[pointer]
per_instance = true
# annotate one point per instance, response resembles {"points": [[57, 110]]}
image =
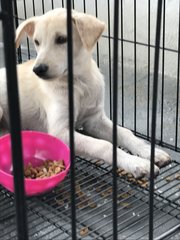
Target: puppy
{"points": [[43, 90]]}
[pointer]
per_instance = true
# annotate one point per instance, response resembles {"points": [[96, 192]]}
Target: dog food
{"points": [[169, 179], [125, 205], [172, 178], [84, 231], [92, 204], [143, 182], [47, 169], [177, 176]]}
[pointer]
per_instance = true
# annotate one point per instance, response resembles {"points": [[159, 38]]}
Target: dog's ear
{"points": [[89, 28], [26, 27]]}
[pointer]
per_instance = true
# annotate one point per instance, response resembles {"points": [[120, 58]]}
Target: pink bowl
{"points": [[37, 147]]}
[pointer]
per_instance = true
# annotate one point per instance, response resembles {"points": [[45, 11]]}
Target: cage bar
{"points": [[153, 127], [19, 54], [135, 69], [177, 93], [115, 111], [109, 55], [149, 59], [14, 114], [122, 62], [131, 217], [71, 116], [163, 61]]}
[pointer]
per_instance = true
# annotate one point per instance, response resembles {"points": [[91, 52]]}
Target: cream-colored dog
{"points": [[44, 93]]}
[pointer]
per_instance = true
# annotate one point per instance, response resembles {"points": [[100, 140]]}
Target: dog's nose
{"points": [[40, 70]]}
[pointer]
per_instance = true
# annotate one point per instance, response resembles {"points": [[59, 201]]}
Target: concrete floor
{"points": [[170, 64]]}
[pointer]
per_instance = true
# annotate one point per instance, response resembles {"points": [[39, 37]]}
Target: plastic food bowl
{"points": [[37, 147]]}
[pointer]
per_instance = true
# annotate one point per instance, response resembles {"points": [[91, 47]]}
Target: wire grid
{"points": [[49, 215]]}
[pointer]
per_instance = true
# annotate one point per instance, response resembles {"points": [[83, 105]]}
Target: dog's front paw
{"points": [[161, 157], [141, 168]]}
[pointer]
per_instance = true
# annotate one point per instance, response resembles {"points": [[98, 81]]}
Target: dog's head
{"points": [[49, 34]]}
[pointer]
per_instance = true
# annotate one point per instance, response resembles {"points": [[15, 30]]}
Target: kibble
{"points": [[139, 182], [143, 182], [123, 173], [60, 202], [144, 185], [84, 231], [80, 205], [177, 176], [125, 205], [123, 195], [99, 163], [129, 175], [169, 179], [133, 180], [92, 204], [47, 169]]}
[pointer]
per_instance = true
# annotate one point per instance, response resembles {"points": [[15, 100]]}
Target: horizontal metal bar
{"points": [[126, 40], [134, 222], [158, 142], [142, 44], [146, 225], [167, 233]]}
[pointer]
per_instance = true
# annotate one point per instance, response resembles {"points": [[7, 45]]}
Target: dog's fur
{"points": [[44, 99]]}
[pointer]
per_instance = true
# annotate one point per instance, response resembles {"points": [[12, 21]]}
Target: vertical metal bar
{"points": [[25, 15], [122, 62], [97, 48], [109, 48], [14, 114], [177, 93], [115, 105], [73, 6], [154, 109], [71, 116], [149, 67], [34, 11], [135, 67], [43, 9], [19, 56], [162, 86], [52, 4], [84, 4], [62, 3]]}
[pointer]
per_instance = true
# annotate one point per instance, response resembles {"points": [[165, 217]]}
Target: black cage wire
{"points": [[94, 202]]}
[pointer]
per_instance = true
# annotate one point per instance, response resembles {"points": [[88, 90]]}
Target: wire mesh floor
{"points": [[49, 215]]}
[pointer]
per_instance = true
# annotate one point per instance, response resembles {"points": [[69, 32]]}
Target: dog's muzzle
{"points": [[41, 70]]}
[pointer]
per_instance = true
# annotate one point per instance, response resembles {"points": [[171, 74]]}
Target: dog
{"points": [[43, 90]]}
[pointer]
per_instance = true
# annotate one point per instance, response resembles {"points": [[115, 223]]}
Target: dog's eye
{"points": [[60, 40], [36, 42]]}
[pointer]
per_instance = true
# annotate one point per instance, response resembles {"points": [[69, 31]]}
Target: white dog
{"points": [[44, 93]]}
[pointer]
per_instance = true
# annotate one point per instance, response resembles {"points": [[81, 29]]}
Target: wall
{"points": [[171, 27], [167, 115]]}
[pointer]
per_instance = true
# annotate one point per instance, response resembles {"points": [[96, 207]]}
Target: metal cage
{"points": [[112, 207]]}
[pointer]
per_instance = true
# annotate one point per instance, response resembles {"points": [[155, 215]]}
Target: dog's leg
{"points": [[100, 126], [100, 149]]}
